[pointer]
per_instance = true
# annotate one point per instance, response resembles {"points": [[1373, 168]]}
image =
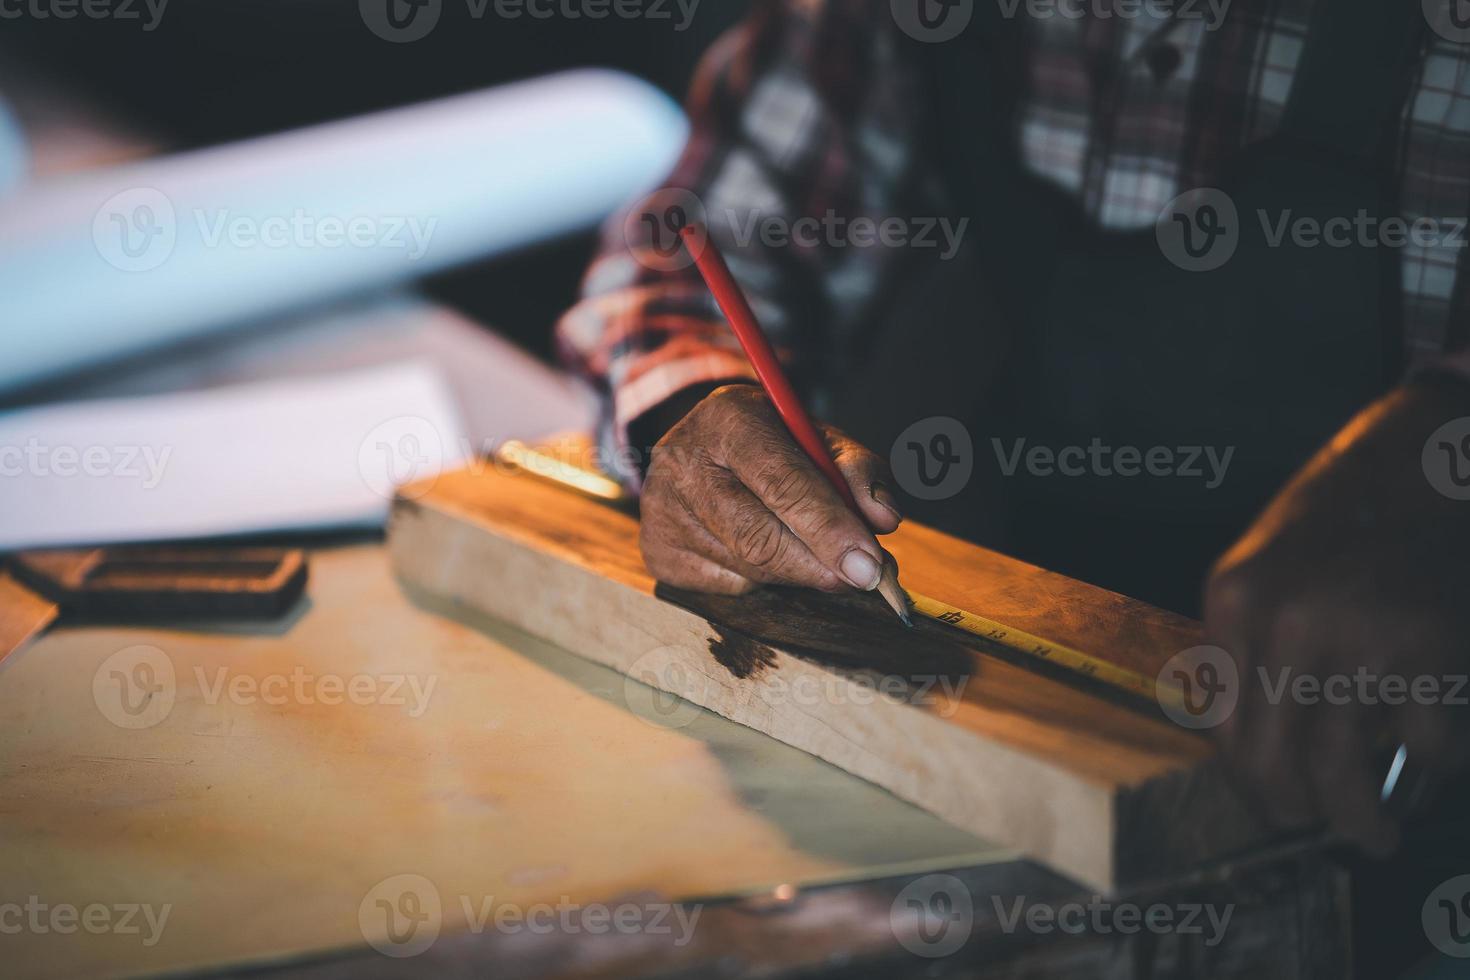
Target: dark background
{"points": [[220, 70]]}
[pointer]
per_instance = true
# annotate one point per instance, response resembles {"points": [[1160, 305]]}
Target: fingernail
{"points": [[885, 497], [859, 568]]}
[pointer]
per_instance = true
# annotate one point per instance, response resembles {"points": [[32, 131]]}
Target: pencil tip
{"points": [[894, 595]]}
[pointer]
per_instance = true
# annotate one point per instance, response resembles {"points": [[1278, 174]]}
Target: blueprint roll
{"points": [[115, 262]]}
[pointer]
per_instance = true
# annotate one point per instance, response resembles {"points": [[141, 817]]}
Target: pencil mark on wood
{"points": [[854, 631], [741, 655]]}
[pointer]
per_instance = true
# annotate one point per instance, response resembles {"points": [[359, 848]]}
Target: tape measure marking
{"points": [[1034, 646]]}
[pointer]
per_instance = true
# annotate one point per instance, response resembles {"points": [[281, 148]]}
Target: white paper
{"points": [[321, 452]]}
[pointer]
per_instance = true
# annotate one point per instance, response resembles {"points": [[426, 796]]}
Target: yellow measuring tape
{"points": [[1032, 645]]}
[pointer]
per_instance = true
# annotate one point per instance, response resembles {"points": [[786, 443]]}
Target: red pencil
{"points": [[778, 388]]}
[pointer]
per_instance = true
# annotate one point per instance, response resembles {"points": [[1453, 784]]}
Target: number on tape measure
{"points": [[1023, 642]]}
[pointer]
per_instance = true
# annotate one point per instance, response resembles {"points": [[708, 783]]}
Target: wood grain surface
{"points": [[1096, 789]]}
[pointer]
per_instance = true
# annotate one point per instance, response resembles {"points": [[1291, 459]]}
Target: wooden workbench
{"points": [[526, 775]]}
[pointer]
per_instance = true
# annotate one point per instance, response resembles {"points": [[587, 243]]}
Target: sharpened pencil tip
{"points": [[894, 595]]}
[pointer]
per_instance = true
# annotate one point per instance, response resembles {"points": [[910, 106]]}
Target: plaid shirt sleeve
{"points": [[798, 113]]}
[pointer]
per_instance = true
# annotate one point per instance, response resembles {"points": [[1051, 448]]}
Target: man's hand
{"points": [[731, 502], [1360, 569]]}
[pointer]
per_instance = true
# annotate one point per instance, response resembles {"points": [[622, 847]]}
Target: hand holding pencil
{"points": [[745, 490]]}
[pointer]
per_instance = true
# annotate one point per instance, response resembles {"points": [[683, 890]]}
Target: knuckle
{"points": [[783, 487], [731, 394], [858, 461], [823, 527], [731, 403], [756, 410], [698, 459], [759, 540]]}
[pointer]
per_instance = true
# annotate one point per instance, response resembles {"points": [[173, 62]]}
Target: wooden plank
{"points": [[23, 615], [1100, 791]]}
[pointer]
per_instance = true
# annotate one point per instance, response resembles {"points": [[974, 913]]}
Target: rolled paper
{"points": [[117, 261]]}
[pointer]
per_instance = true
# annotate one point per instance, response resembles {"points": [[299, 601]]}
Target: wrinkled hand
{"points": [[1358, 570], [731, 502]]}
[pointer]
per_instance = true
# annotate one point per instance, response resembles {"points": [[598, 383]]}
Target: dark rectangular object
{"points": [[175, 582]]}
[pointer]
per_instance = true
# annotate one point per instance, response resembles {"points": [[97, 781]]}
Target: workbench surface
{"points": [[267, 785]]}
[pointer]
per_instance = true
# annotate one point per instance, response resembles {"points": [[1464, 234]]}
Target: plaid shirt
{"points": [[806, 110]]}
